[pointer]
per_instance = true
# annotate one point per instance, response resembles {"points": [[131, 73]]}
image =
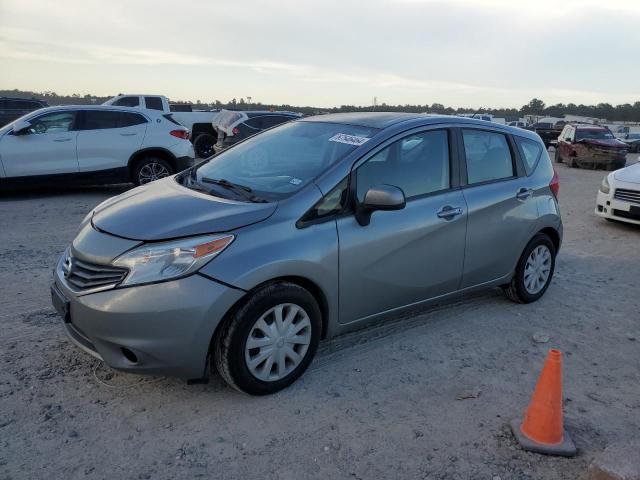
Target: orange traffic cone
{"points": [[542, 430]]}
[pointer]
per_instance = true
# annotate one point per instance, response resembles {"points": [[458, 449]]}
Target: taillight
{"points": [[235, 130], [184, 134], [554, 185]]}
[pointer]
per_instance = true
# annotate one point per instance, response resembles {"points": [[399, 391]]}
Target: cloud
{"points": [[455, 52]]}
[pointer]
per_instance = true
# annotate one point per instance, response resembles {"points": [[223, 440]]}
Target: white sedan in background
{"points": [[619, 195]]}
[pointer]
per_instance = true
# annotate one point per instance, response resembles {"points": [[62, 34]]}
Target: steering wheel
{"points": [[40, 128]]}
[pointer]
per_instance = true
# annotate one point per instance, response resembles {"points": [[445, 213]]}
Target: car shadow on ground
{"points": [[35, 193]]}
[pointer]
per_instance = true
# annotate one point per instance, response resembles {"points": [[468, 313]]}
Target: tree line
{"points": [[627, 112]]}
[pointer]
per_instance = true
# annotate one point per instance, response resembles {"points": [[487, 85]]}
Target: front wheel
{"points": [[270, 340], [534, 271]]}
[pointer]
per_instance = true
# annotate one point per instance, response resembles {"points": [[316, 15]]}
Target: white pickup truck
{"points": [[199, 122]]}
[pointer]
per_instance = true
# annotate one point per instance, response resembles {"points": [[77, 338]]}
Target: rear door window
{"points": [[127, 102], [487, 155], [153, 103], [100, 120]]}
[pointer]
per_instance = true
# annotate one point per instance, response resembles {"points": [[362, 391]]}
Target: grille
{"points": [[83, 275], [625, 195]]}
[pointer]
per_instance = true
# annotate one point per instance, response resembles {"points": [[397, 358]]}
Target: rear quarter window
{"points": [[530, 151], [128, 119]]}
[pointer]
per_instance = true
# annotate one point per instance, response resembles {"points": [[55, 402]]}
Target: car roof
{"points": [[98, 107], [383, 120], [582, 126], [379, 120], [253, 113]]}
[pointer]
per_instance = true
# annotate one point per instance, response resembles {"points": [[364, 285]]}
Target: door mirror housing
{"points": [[21, 127], [379, 197]]}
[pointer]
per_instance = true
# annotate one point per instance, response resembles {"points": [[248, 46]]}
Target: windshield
{"points": [[278, 162], [596, 134]]}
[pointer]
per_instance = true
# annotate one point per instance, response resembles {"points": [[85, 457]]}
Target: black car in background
{"points": [[12, 108], [233, 126]]}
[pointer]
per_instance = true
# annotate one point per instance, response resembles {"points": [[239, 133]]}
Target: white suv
{"points": [[93, 144]]}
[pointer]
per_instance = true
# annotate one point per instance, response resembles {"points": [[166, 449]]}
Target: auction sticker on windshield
{"points": [[348, 139]]}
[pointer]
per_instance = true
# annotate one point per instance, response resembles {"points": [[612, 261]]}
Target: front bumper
{"points": [[609, 207], [167, 326]]}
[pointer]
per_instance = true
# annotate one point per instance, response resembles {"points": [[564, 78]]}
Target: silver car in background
{"points": [[305, 231]]}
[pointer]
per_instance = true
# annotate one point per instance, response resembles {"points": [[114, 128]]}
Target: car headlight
{"points": [[154, 262], [604, 187]]}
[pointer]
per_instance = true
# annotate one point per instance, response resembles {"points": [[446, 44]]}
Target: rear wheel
{"points": [[150, 169], [534, 271], [270, 340], [203, 145]]}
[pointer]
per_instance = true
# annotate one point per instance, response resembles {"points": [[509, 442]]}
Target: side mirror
{"points": [[379, 197], [21, 127]]}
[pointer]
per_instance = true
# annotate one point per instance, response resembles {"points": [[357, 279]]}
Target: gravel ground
{"points": [[378, 403]]}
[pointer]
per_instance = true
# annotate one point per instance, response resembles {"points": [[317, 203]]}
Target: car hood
{"points": [[629, 174], [603, 142], [164, 209]]}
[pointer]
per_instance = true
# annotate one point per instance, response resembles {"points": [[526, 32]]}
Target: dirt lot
{"points": [[380, 403]]}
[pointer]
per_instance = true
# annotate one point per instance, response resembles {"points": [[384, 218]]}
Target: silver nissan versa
{"points": [[305, 231]]}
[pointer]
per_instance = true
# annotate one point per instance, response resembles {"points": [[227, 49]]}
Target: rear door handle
{"points": [[62, 140], [128, 134], [447, 212], [524, 193]]}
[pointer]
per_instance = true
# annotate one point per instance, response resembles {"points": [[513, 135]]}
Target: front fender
{"points": [[268, 251]]}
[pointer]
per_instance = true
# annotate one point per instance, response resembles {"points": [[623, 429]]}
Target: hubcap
{"points": [[537, 269], [278, 342], [152, 171]]}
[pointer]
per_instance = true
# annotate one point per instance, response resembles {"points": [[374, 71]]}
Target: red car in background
{"points": [[590, 146]]}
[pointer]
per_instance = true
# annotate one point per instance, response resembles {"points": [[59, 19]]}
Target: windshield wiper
{"points": [[226, 183], [242, 190]]}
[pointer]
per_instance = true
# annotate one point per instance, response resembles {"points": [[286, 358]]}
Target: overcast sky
{"points": [[327, 52]]}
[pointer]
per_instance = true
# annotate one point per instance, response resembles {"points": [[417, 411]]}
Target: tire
{"points": [[517, 290], [232, 356], [203, 145], [571, 162], [149, 169]]}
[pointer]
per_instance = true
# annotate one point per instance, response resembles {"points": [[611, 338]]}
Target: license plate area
{"points": [[60, 303]]}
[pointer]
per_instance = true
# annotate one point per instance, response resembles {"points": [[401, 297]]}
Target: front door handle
{"points": [[128, 134], [524, 193], [62, 140], [447, 212]]}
